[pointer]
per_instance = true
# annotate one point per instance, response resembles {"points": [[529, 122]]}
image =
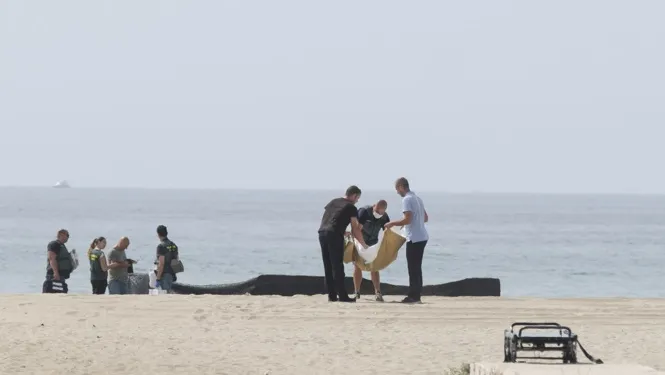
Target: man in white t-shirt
{"points": [[414, 219]]}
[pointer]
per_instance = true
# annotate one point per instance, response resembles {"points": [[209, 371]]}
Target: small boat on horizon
{"points": [[61, 184]]}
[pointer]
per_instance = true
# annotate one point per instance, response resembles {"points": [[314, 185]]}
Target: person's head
{"points": [[98, 243], [122, 244], [162, 232], [353, 194], [380, 208], [63, 236], [402, 186]]}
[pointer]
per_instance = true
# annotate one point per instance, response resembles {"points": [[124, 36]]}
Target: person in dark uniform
{"points": [[58, 264], [372, 219], [338, 214], [98, 266], [167, 251]]}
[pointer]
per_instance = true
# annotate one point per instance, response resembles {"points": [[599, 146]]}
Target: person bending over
{"points": [[372, 219], [338, 214]]}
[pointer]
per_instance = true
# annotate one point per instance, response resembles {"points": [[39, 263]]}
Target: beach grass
{"points": [[465, 369]]}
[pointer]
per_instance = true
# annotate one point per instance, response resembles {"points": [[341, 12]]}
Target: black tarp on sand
{"points": [[285, 285]]}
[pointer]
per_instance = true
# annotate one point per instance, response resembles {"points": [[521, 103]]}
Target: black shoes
{"points": [[410, 300], [344, 299]]}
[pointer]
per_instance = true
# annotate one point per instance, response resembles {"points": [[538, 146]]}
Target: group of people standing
{"points": [[112, 272], [366, 224]]}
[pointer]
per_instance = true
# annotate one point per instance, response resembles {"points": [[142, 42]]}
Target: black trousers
{"points": [[99, 286], [52, 286], [332, 253], [414, 262]]}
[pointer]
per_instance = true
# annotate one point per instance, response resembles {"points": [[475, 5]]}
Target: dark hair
{"points": [[94, 244], [353, 190], [63, 232], [382, 203], [403, 182], [161, 231]]}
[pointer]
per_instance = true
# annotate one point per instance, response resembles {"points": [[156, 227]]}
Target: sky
{"points": [[462, 96]]}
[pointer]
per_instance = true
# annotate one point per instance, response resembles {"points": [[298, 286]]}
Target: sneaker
{"points": [[410, 300], [347, 299], [357, 295], [378, 297]]}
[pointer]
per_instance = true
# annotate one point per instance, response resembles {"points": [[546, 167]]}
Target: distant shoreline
{"points": [[336, 191]]}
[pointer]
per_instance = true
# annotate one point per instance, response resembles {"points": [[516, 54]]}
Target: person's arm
{"points": [[161, 254], [356, 229], [363, 216], [102, 263], [406, 219], [387, 221], [426, 217], [407, 209], [53, 261], [115, 262]]}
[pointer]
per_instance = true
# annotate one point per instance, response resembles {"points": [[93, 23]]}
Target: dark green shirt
{"points": [[170, 252], [96, 272]]}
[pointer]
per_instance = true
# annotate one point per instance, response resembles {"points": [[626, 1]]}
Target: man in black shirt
{"points": [[338, 214], [372, 219], [58, 264]]}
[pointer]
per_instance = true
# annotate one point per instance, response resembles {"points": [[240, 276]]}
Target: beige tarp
{"points": [[390, 245]]}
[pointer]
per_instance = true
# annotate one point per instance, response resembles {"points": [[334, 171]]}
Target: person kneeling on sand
{"points": [[372, 219]]}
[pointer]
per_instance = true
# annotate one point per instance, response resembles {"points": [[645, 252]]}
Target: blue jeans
{"points": [[166, 282], [118, 287]]}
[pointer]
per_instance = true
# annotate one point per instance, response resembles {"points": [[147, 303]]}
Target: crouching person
{"points": [[372, 219]]}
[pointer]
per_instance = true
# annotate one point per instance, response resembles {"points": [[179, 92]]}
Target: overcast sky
{"points": [[516, 96]]}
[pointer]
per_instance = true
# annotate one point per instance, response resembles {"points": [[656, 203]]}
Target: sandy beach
{"points": [[175, 334]]}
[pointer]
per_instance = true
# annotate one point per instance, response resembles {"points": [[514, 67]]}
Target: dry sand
{"points": [[174, 334]]}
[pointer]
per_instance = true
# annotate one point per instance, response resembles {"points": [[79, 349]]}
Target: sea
{"points": [[538, 245]]}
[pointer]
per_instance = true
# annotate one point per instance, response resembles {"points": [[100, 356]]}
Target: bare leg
{"points": [[376, 280], [357, 278]]}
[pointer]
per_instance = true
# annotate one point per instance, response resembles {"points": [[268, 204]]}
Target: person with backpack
{"points": [[168, 261]]}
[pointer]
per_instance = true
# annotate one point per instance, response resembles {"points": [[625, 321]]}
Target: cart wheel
{"points": [[513, 356], [573, 356]]}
